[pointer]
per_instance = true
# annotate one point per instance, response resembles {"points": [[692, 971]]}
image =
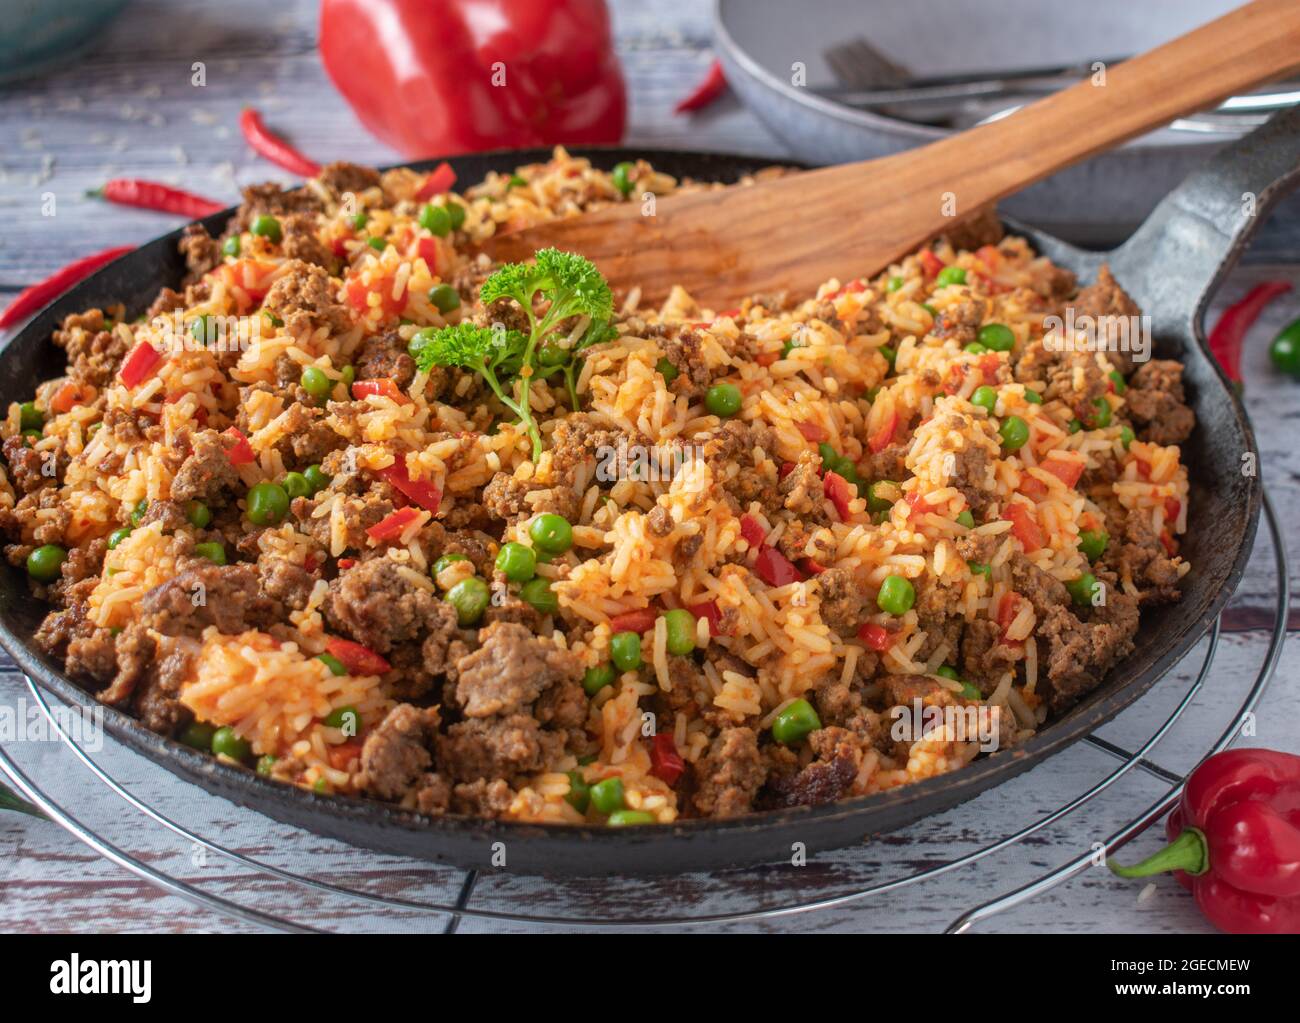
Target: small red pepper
{"points": [[392, 525], [273, 148], [639, 621], [440, 180], [359, 660], [139, 364], [43, 292], [775, 569], [422, 492], [242, 452], [666, 763], [1230, 332], [154, 195], [1235, 842], [709, 88]]}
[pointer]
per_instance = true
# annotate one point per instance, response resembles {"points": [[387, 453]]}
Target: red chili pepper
{"points": [[752, 530], [242, 452], [271, 147], [812, 432], [666, 763], [440, 180], [42, 293], [458, 76], [359, 660], [1235, 842], [876, 636], [775, 569], [422, 492], [392, 525], [139, 364], [639, 621], [384, 388], [708, 609], [709, 88], [881, 439], [1230, 332], [154, 195], [1024, 526]]}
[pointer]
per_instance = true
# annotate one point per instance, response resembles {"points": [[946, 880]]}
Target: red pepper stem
{"points": [[1188, 853]]}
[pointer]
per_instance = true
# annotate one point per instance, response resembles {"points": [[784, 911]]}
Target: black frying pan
{"points": [[1171, 267]]}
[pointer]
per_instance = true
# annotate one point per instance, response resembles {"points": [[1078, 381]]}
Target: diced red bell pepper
{"points": [[809, 567], [775, 569], [767, 358], [427, 248], [242, 452], [70, 395], [440, 180], [359, 296], [877, 637], [854, 287], [916, 505], [249, 275], [422, 492], [989, 256], [1168, 543], [140, 364], [359, 660], [708, 609], [1067, 471], [837, 491], [1033, 488], [666, 763], [343, 755], [882, 438], [1172, 507], [1144, 468], [956, 377], [812, 432], [392, 525], [639, 621], [785, 470], [930, 263], [346, 563], [989, 366], [1008, 608], [384, 388], [752, 530], [1023, 526]]}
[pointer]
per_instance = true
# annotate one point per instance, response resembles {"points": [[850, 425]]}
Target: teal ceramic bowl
{"points": [[40, 35]]}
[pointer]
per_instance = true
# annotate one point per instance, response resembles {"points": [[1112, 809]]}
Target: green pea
{"points": [[45, 563], [843, 467], [1126, 436], [579, 796], [623, 818], [346, 718], [268, 227], [970, 692], [470, 599], [934, 313], [681, 631], [197, 514], [138, 512], [896, 596], [457, 214], [950, 275], [1092, 543], [1103, 416], [979, 568], [435, 220], [516, 181], [378, 244], [198, 734], [1284, 350], [203, 329], [30, 417], [335, 666], [346, 375], [1117, 378], [231, 245], [965, 518], [666, 370], [320, 786], [1033, 397], [894, 284], [597, 678], [625, 651], [876, 499], [265, 765], [267, 504], [621, 177], [117, 536], [1014, 433], [975, 348], [829, 454], [1074, 426], [214, 552], [795, 722], [444, 561], [1081, 589], [551, 356], [517, 562], [551, 533], [890, 353], [359, 220], [316, 478], [444, 298], [997, 337], [34, 436], [723, 400], [607, 795], [947, 671], [985, 397], [316, 383], [538, 593], [227, 743], [295, 485]]}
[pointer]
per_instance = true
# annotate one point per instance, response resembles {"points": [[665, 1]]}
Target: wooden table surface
{"points": [[129, 108]]}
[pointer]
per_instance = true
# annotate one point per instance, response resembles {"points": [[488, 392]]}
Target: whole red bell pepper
{"points": [[435, 77], [1235, 842]]}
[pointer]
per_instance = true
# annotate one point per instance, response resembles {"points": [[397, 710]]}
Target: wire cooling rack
{"points": [[448, 914]]}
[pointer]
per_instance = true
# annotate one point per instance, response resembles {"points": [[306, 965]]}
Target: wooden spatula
{"points": [[852, 220]]}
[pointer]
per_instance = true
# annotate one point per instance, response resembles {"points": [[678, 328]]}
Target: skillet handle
{"points": [[1184, 249]]}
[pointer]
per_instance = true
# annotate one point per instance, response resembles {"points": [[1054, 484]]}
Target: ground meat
{"points": [[1042, 590], [1143, 559], [579, 440], [826, 779], [93, 656], [359, 514], [202, 252], [938, 614], [983, 227], [970, 468], [985, 659], [308, 437], [271, 198], [889, 463], [1105, 300], [206, 474], [802, 488], [304, 298], [962, 321], [1157, 405], [384, 357], [378, 606], [505, 498], [169, 513], [285, 581], [1057, 371], [729, 452], [684, 349], [398, 752], [482, 798], [843, 602], [730, 775], [510, 669], [29, 470], [203, 594], [496, 747], [302, 241], [978, 547], [843, 703], [94, 352], [1080, 653], [341, 177]]}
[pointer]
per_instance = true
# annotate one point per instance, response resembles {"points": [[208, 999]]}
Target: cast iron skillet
{"points": [[1170, 267]]}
